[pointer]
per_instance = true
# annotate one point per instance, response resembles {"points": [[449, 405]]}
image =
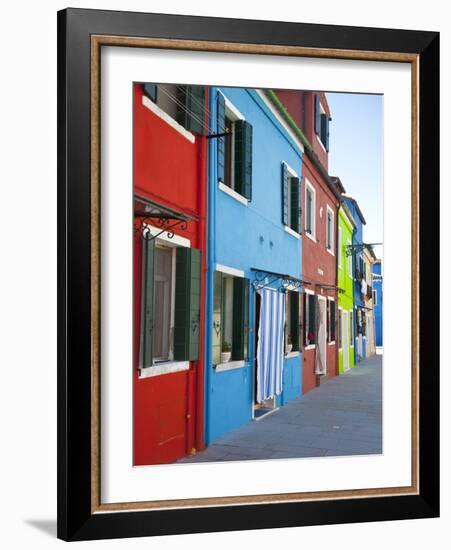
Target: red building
{"points": [[169, 271], [320, 199]]}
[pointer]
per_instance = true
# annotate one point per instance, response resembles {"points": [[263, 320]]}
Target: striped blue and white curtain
{"points": [[270, 344]]}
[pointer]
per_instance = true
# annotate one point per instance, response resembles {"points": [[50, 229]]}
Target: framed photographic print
{"points": [[248, 274]]}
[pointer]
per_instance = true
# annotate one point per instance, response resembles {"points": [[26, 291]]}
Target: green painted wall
{"points": [[345, 283]]}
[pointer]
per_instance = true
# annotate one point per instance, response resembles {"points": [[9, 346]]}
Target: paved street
{"points": [[341, 417]]}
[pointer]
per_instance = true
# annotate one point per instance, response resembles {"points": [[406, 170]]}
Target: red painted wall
{"points": [[301, 106], [170, 170]]}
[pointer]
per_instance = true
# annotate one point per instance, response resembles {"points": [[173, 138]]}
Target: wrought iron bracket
{"points": [[267, 278], [356, 248], [164, 224]]}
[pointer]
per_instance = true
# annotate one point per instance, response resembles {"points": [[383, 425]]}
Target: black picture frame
{"points": [[75, 518]]}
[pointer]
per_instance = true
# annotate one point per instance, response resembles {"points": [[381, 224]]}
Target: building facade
{"points": [[169, 271], [369, 258], [378, 300], [253, 366], [321, 199], [346, 327], [359, 280]]}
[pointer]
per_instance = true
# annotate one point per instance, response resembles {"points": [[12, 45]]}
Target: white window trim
{"points": [[309, 347], [349, 261], [322, 112], [230, 270], [232, 193], [332, 342], [340, 248], [308, 291], [292, 354], [149, 104], [233, 111], [231, 365], [331, 250], [351, 340], [318, 139], [340, 311], [312, 235], [291, 232], [167, 367]]}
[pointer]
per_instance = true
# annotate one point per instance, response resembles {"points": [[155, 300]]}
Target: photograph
{"points": [[257, 273]]}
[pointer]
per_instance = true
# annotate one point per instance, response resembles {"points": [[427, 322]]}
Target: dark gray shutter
{"points": [[243, 158], [217, 318], [317, 115], [294, 319], [285, 191], [187, 304], [151, 91], [239, 318], [147, 320], [324, 124], [304, 316], [295, 205], [191, 108], [327, 133], [220, 118], [312, 316], [332, 320]]}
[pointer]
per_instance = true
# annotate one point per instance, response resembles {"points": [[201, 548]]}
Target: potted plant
{"points": [[289, 344], [226, 352]]}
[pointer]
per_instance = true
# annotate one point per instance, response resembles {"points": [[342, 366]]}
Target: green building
{"points": [[346, 226]]}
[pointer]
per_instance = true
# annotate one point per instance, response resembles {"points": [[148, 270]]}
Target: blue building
{"points": [[254, 261], [359, 270], [378, 302]]}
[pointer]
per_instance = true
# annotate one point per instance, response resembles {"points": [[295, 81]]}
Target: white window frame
{"points": [[340, 251], [170, 366], [310, 346], [332, 232], [333, 342], [158, 111], [309, 186], [318, 137], [340, 330], [352, 335]]}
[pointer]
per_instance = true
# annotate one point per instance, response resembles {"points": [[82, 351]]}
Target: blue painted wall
{"points": [[357, 238], [377, 285], [245, 237]]}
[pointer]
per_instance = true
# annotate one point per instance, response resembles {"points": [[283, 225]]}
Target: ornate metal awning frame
{"points": [[356, 248], [162, 217], [264, 278]]}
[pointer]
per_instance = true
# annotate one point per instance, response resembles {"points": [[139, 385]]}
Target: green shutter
{"points": [[243, 158], [187, 304], [151, 91], [220, 118], [294, 320], [217, 315], [317, 115], [239, 327], [147, 319], [285, 192], [295, 205], [191, 108]]}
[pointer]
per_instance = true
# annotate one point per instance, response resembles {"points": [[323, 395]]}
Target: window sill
{"points": [[310, 236], [331, 343], [230, 365], [309, 347], [292, 354], [320, 142], [168, 119], [164, 368], [330, 251], [292, 232], [228, 191]]}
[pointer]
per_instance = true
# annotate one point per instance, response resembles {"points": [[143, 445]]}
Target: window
{"points": [[340, 328], [310, 206], [351, 323], [234, 149], [349, 259], [375, 297], [230, 317], [292, 323], [321, 123], [340, 252], [170, 319], [331, 320], [291, 199], [310, 304], [330, 230], [185, 104]]}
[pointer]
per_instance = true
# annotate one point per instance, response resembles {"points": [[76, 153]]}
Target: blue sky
{"points": [[356, 155]]}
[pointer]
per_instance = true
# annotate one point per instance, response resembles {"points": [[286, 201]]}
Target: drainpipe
{"points": [[202, 243]]}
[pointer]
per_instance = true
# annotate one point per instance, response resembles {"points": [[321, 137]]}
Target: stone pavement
{"points": [[341, 417]]}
